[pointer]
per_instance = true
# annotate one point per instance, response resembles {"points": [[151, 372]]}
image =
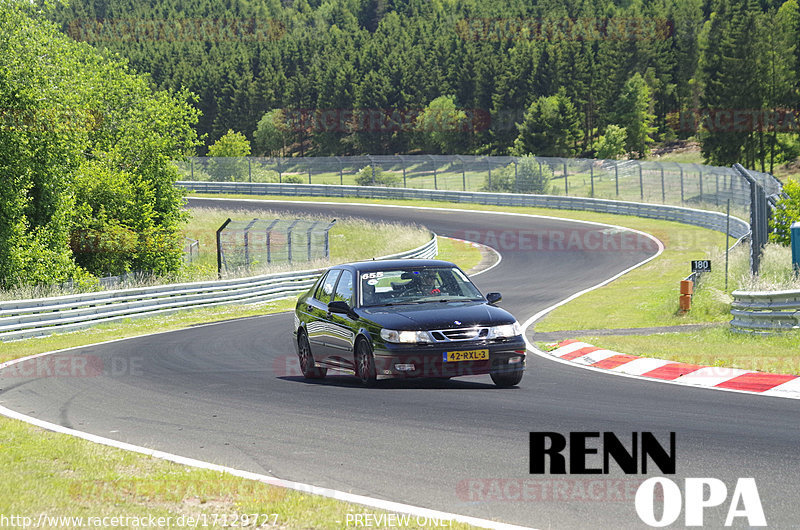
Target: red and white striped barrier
{"points": [[676, 372]]}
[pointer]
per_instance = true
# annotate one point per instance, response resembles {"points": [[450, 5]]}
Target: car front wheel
{"points": [[506, 379], [307, 367], [365, 363]]}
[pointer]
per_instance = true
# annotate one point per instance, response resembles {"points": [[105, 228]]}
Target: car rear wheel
{"points": [[506, 379], [365, 363], [310, 371]]}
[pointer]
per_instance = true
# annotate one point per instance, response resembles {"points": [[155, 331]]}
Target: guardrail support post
{"points": [[701, 185], [247, 242], [758, 218], [727, 242], [328, 239], [289, 239], [269, 240], [795, 232], [308, 239], [219, 248], [641, 181]]}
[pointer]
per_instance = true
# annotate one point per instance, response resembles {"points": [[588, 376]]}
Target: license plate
{"points": [[467, 355]]}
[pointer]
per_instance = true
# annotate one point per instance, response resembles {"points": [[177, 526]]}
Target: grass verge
{"points": [[47, 476], [713, 346], [464, 255], [350, 239], [719, 345]]}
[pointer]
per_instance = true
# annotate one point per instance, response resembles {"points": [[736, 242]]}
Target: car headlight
{"points": [[505, 331], [405, 337]]}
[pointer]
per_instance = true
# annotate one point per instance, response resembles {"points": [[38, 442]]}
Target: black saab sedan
{"points": [[405, 318]]}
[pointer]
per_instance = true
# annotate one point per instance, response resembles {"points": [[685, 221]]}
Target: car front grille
{"points": [[451, 335]]}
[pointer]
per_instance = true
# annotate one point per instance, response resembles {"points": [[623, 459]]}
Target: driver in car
{"points": [[425, 283]]}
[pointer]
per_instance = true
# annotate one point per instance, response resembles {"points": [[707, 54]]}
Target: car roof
{"points": [[385, 264]]}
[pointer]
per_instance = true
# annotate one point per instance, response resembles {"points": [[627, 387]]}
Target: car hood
{"points": [[437, 315]]}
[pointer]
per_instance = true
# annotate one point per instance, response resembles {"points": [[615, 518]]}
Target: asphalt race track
{"points": [[230, 394]]}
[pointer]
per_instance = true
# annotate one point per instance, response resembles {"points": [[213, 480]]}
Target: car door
{"points": [[318, 326], [342, 329]]}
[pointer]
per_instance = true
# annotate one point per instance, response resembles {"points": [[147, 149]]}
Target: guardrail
{"points": [[20, 319], [765, 312], [702, 218]]}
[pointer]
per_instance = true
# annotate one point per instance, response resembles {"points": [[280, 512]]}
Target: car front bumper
{"points": [[396, 360]]}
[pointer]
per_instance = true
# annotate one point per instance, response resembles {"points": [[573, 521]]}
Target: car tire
{"points": [[507, 379], [365, 363], [307, 367]]}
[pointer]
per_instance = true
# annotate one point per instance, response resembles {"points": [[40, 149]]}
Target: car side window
{"points": [[344, 289], [325, 289]]}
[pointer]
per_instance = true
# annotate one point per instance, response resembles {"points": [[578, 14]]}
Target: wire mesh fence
{"points": [[694, 185], [242, 245]]}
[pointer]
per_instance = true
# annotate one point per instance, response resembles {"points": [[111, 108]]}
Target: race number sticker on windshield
{"points": [[466, 355]]}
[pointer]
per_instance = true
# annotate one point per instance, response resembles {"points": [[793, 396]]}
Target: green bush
{"points": [[227, 162], [612, 144], [365, 178], [103, 175], [787, 211], [528, 177], [293, 179]]}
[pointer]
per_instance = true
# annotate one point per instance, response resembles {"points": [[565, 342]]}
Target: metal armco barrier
{"points": [[702, 218], [765, 312], [20, 319]]}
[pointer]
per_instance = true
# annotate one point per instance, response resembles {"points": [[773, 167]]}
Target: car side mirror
{"points": [[339, 307], [493, 298]]}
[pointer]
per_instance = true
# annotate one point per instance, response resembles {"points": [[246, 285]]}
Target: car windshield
{"points": [[416, 286]]}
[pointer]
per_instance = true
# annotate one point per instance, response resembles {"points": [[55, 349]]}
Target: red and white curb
{"points": [[718, 377]]}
